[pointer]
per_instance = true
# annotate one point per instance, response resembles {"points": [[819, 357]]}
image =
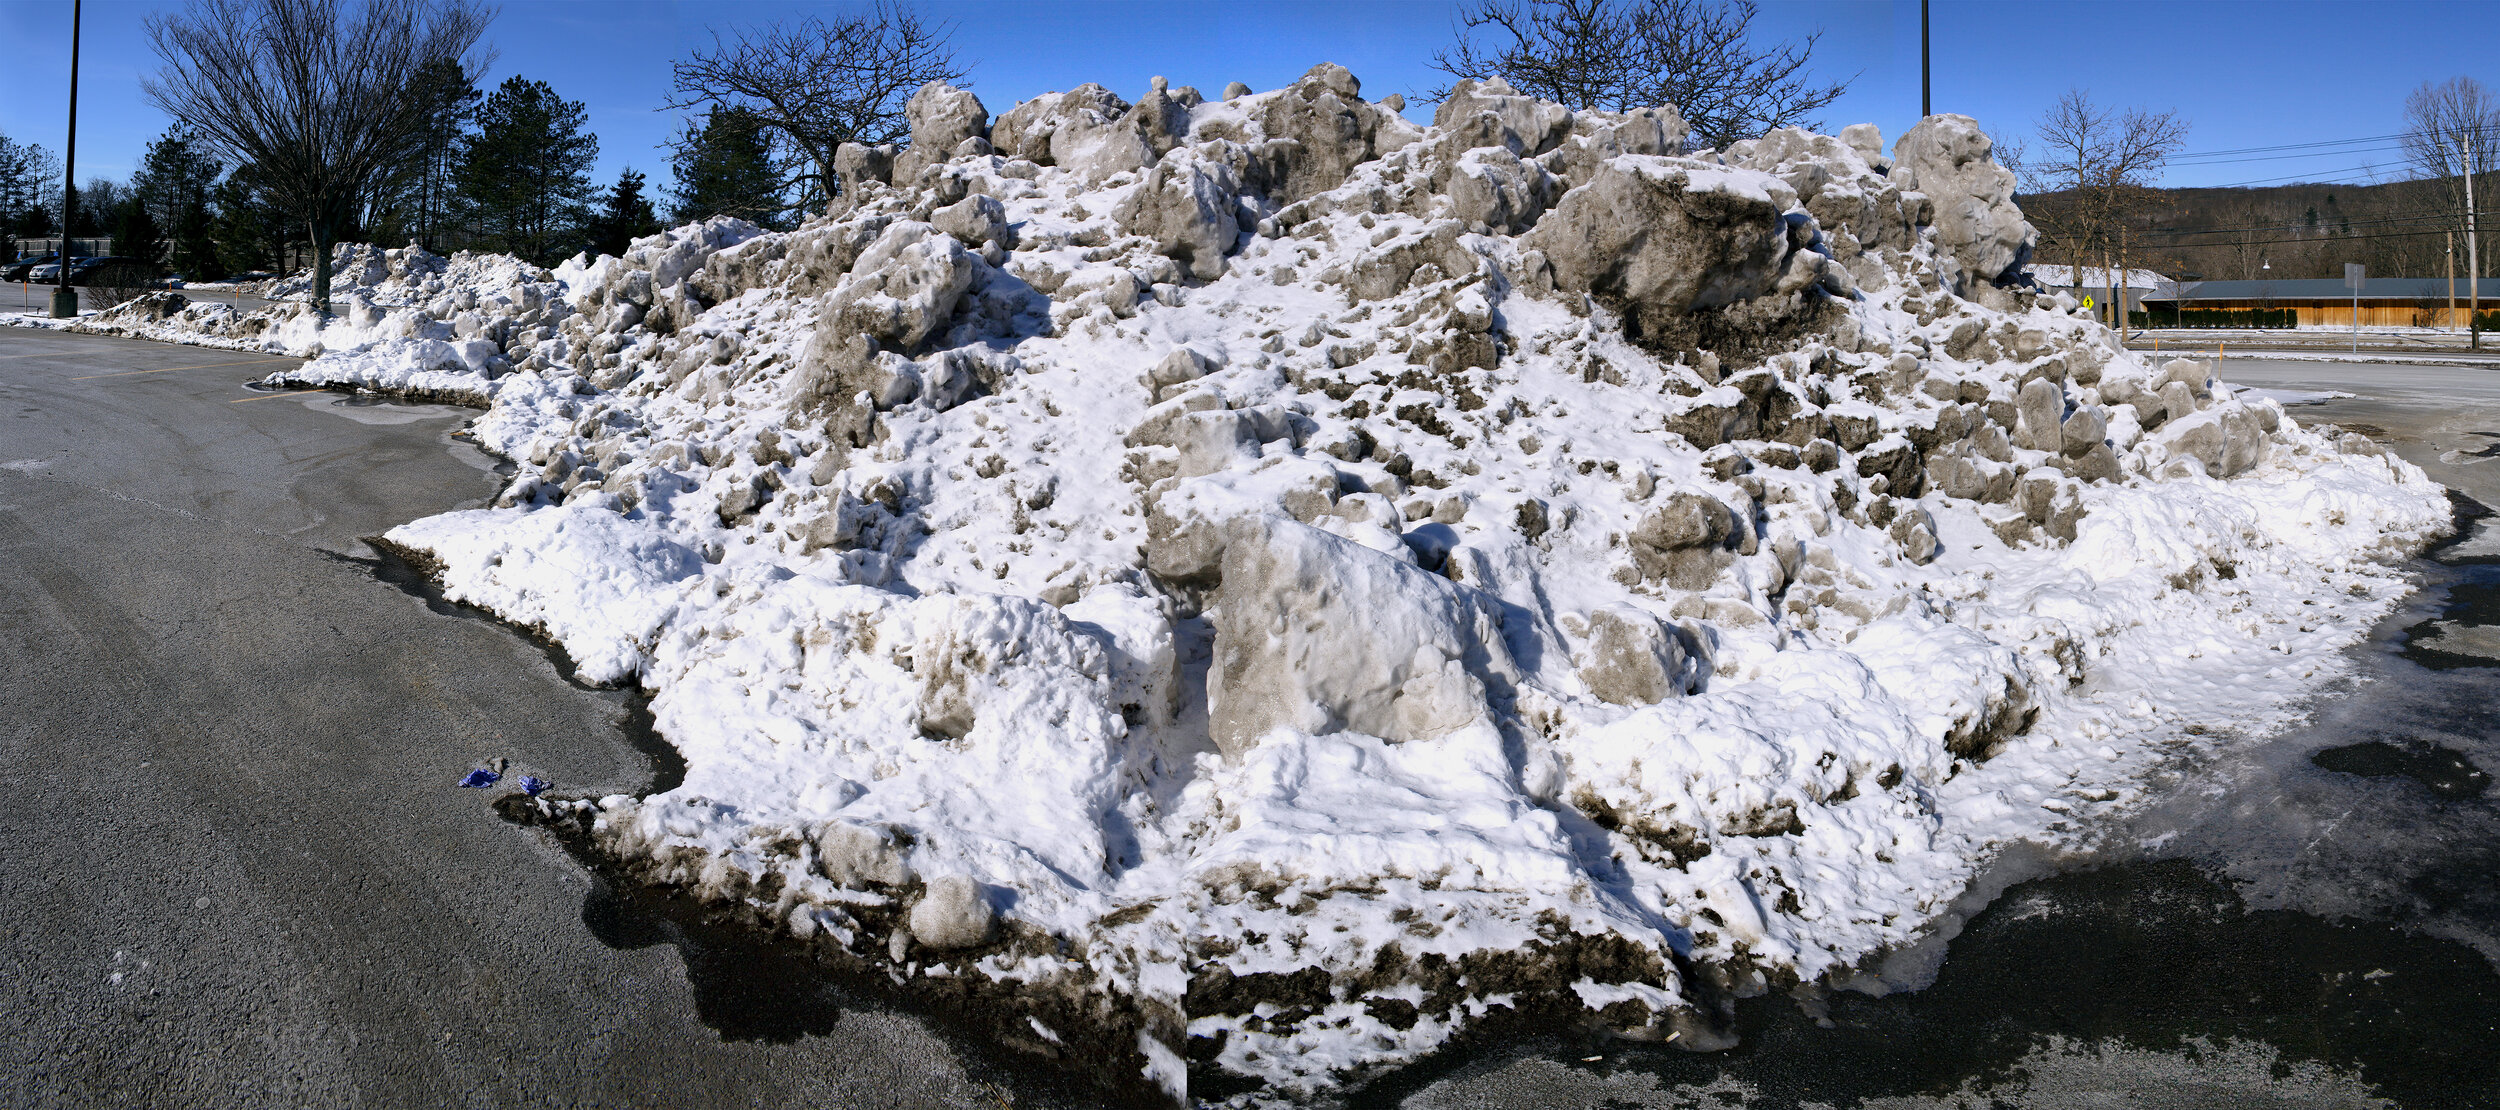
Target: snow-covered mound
{"points": [[416, 322], [1257, 585]]}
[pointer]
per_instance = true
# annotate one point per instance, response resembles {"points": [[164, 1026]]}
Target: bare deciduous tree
{"points": [[315, 99], [2102, 162], [816, 84], [2452, 129], [1696, 55]]}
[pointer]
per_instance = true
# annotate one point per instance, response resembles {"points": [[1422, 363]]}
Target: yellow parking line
{"points": [[266, 396], [196, 366]]}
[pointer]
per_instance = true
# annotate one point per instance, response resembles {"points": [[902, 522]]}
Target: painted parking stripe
{"points": [[195, 366]]}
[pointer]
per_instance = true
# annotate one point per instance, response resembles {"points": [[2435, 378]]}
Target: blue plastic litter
{"points": [[532, 784], [480, 777]]}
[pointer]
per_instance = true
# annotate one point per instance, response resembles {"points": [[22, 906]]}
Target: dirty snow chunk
{"points": [[954, 912], [1948, 158], [1318, 634], [1958, 686], [1333, 127], [1665, 236], [2224, 440], [973, 221], [1526, 125], [1138, 643], [1494, 188], [904, 285], [590, 579], [1188, 207], [1630, 659], [943, 116]]}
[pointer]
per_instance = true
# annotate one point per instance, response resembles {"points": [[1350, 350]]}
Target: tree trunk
{"points": [[826, 182], [321, 266]]}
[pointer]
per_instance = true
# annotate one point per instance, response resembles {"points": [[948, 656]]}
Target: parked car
{"points": [[23, 268], [50, 272], [81, 269]]}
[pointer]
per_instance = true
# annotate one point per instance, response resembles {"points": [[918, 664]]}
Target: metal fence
{"points": [[91, 248]]}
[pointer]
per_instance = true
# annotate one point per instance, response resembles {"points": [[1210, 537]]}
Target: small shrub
{"points": [[116, 283]]}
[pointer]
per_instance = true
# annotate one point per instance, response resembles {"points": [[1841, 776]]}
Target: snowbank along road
{"points": [[1239, 592], [234, 870]]}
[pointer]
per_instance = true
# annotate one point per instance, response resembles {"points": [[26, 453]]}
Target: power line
{"points": [[2339, 152], [2339, 238], [2380, 222], [2370, 172], [2391, 143], [2318, 143]]}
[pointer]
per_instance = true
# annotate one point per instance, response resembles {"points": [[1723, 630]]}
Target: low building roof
{"points": [[2312, 289]]}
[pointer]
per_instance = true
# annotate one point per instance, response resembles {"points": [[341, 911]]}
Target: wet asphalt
{"points": [[234, 868]]}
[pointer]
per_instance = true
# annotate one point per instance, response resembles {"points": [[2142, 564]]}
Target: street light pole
{"points": [[65, 299], [1926, 87]]}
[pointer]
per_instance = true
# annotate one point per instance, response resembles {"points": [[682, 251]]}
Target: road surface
{"points": [[234, 870]]}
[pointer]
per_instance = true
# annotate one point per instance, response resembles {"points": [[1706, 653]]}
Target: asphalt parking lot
{"points": [[234, 868]]}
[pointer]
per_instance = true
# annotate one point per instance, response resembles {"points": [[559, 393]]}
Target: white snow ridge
{"points": [[1257, 587]]}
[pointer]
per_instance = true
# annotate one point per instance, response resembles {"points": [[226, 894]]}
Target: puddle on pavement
{"points": [[380, 409], [745, 993], [2463, 574], [2444, 771], [2146, 965], [764, 988], [634, 722], [259, 385]]}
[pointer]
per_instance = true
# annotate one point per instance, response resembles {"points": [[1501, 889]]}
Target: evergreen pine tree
{"points": [[135, 234], [627, 217], [725, 168], [29, 185], [174, 184], [251, 232], [423, 201], [524, 176], [97, 203]]}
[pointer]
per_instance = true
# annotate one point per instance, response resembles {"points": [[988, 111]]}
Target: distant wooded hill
{"points": [[2304, 231]]}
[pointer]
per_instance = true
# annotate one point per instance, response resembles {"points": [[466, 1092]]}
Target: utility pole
{"points": [[2120, 287], [1926, 87], [65, 299], [2355, 276], [2473, 256], [2452, 277]]}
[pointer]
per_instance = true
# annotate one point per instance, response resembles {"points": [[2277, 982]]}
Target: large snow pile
{"points": [[442, 324], [1257, 585]]}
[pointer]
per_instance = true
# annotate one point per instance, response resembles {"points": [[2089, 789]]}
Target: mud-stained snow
{"points": [[1264, 586]]}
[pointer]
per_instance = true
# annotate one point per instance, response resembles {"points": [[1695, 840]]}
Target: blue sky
{"points": [[2245, 74]]}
